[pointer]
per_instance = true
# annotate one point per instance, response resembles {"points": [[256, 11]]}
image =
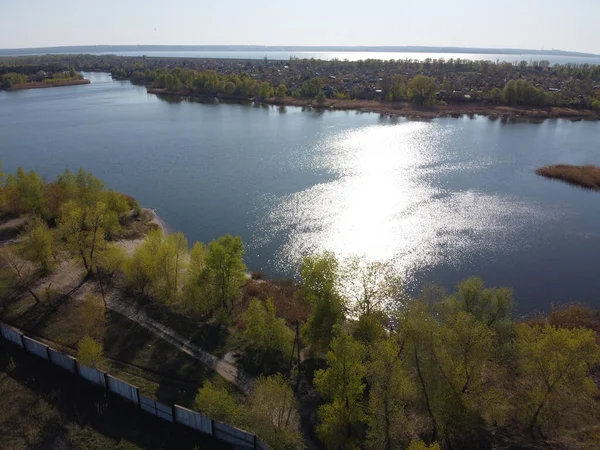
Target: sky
{"points": [[532, 24]]}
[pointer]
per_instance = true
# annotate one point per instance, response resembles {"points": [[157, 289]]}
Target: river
{"points": [[444, 199]]}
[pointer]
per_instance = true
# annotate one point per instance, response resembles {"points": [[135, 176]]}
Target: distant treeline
{"points": [[452, 81], [16, 78]]}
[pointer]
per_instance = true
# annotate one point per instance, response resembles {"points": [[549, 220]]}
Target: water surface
{"points": [[443, 199]]}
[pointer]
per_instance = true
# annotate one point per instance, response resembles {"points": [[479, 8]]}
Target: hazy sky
{"points": [[560, 24]]}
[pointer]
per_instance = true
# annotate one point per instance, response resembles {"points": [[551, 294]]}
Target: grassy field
{"points": [[47, 408]]}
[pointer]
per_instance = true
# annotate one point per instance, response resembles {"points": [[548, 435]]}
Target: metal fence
{"points": [[239, 438]]}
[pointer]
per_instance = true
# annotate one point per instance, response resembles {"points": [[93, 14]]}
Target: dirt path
{"points": [[224, 367]]}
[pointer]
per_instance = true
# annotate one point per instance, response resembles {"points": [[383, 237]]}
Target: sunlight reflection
{"points": [[384, 203]]}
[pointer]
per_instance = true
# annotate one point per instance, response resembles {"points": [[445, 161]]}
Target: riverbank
{"points": [[406, 109], [42, 85]]}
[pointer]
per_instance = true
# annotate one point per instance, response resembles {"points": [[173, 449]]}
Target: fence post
{"points": [[212, 427], [255, 443], [22, 341]]}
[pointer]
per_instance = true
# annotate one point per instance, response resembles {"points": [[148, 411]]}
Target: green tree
{"points": [[320, 97], [18, 273], [84, 230], [23, 193], [281, 91], [142, 270], [369, 286], [421, 89], [274, 413], [89, 351], [319, 288], [342, 385], [554, 372], [172, 260], [391, 390], [268, 339], [491, 306], [225, 271], [193, 288], [110, 260], [37, 245], [218, 404]]}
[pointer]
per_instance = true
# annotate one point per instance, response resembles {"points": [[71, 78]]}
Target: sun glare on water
{"points": [[386, 203]]}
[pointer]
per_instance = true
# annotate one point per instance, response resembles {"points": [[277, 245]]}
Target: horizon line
{"points": [[341, 48]]}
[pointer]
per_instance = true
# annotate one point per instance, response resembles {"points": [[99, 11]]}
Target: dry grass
{"points": [[587, 177]]}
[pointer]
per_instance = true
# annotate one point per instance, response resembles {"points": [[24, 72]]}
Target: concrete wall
{"points": [[123, 389], [35, 347]]}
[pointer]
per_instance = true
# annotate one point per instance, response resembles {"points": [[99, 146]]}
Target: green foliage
{"points": [[281, 91], [269, 341], [110, 259], [342, 385], [37, 245], [554, 369], [320, 98], [157, 266], [369, 286], [89, 351], [225, 271], [274, 413], [320, 275], [420, 445], [8, 80], [84, 230], [22, 193], [421, 89], [194, 294], [311, 88], [218, 404], [16, 273], [391, 390], [491, 306], [523, 93]]}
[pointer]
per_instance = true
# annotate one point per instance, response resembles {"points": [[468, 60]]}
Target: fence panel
{"points": [[123, 389], [233, 435], [193, 419], [35, 347], [148, 405], [11, 334], [91, 374], [65, 361], [164, 412]]}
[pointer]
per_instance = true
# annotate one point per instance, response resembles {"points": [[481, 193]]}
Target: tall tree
{"points": [[369, 286], [268, 338], [225, 271], [319, 288], [554, 371], [274, 413], [391, 390], [37, 245], [84, 230], [19, 273], [342, 384], [421, 89]]}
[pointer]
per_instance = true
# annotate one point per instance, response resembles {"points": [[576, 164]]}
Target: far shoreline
{"points": [[406, 109]]}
